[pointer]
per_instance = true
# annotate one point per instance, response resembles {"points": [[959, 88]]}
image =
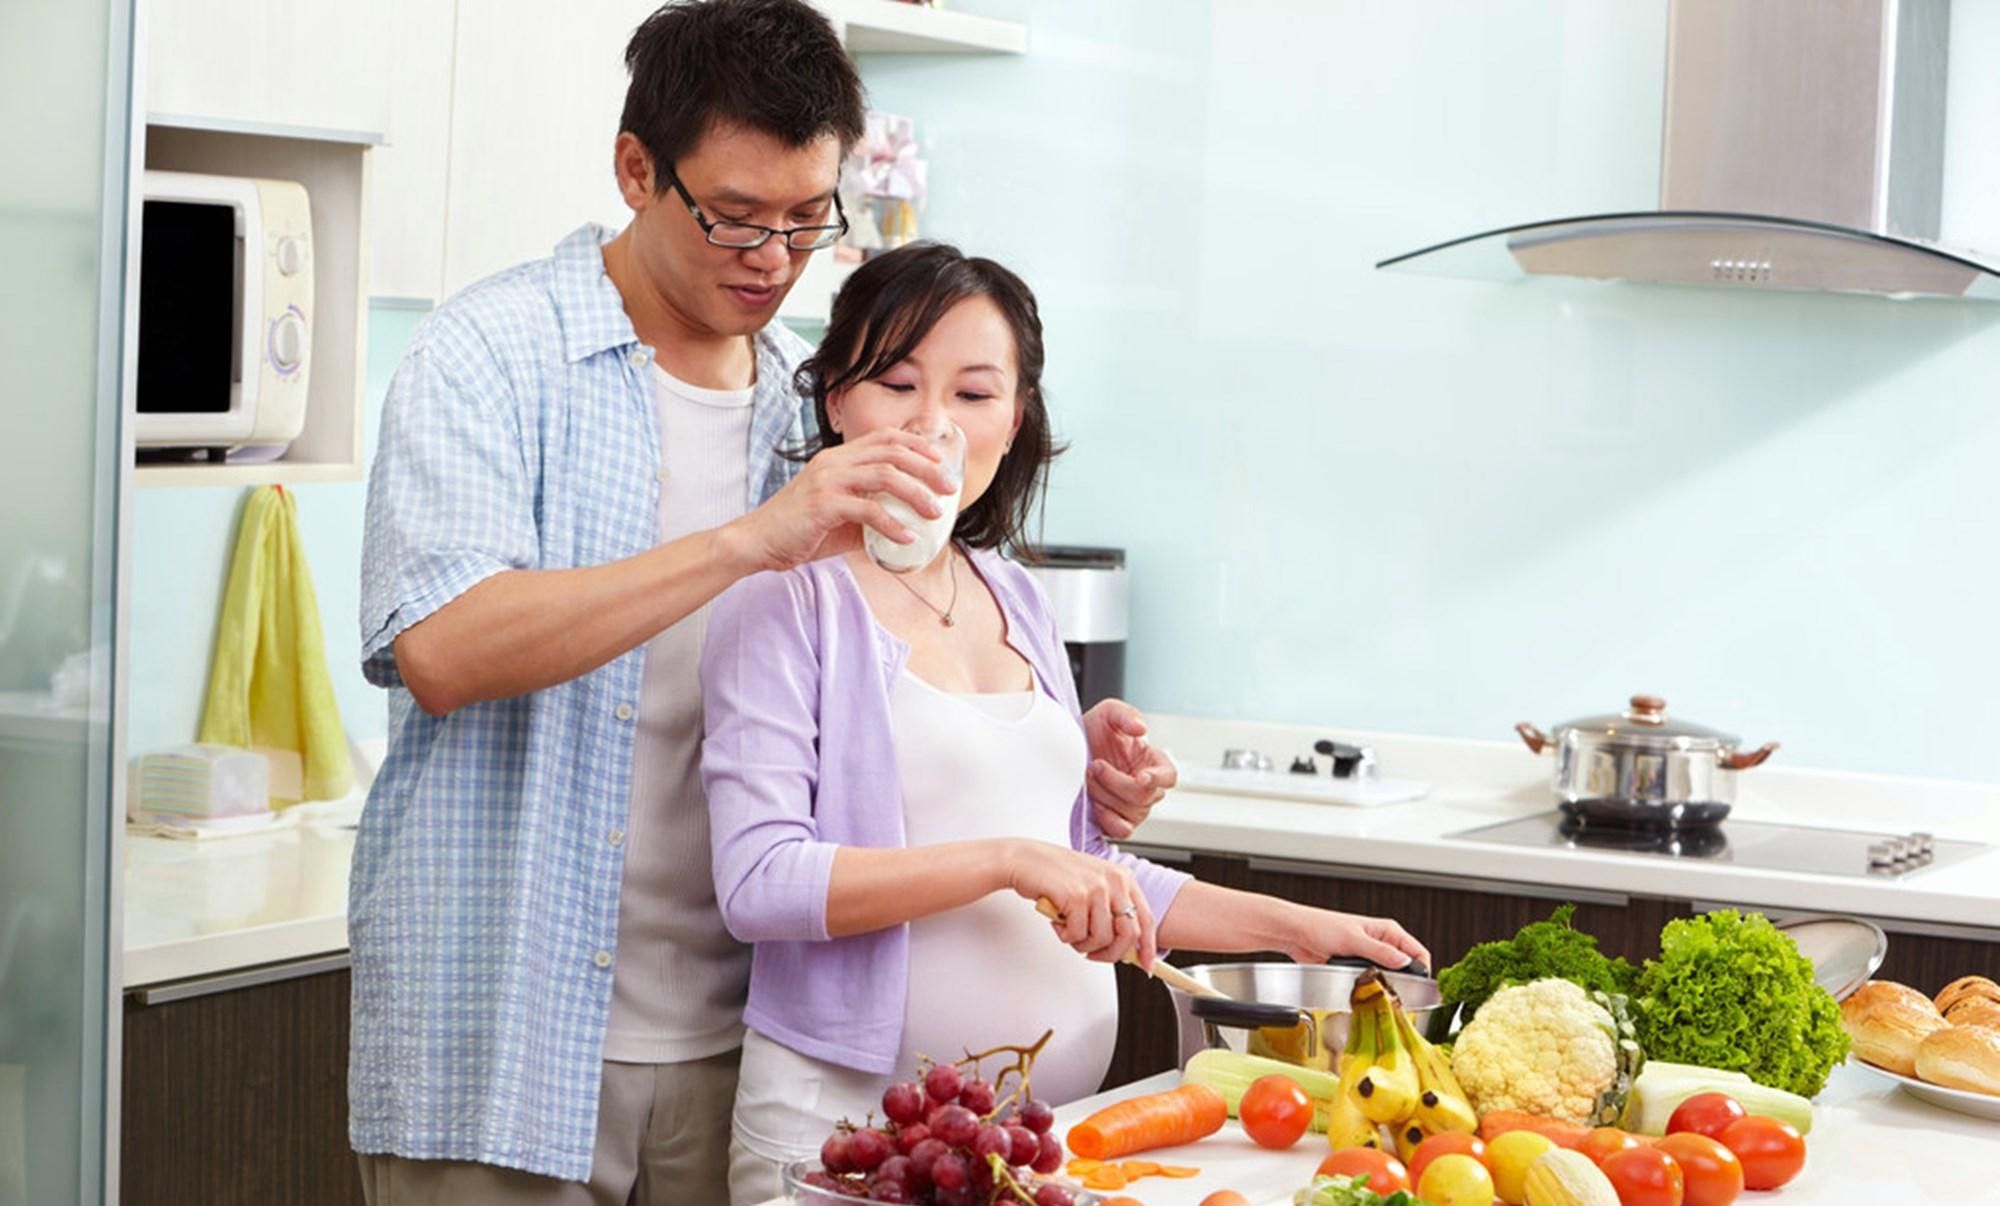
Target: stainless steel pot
{"points": [[1641, 768], [1296, 1012]]}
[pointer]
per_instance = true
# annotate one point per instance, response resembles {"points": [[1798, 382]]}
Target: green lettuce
{"points": [[1350, 1191], [1540, 950], [1730, 991]]}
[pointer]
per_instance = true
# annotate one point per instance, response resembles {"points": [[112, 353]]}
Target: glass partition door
{"points": [[65, 130]]}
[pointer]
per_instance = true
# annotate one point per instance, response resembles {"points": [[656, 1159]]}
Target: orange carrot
{"points": [[1499, 1122], [1140, 1124]]}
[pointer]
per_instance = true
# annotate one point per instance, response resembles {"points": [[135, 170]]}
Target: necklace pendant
{"points": [[945, 620]]}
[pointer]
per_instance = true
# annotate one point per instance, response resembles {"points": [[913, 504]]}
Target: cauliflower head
{"points": [[1542, 1048]]}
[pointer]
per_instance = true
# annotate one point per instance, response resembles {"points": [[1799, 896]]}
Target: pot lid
{"points": [[1646, 723], [1845, 951]]}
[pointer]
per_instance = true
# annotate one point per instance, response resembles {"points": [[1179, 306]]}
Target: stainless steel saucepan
{"points": [[1296, 1012], [1640, 768]]}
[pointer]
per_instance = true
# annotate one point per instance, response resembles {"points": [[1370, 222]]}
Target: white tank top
{"points": [[987, 766]]}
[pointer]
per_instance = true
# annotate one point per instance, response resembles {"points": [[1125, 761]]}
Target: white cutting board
{"points": [[1311, 789], [1227, 1159]]}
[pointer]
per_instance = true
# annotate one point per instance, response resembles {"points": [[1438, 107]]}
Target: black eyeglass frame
{"points": [[830, 233]]}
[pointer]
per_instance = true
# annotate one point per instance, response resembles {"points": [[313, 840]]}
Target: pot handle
{"points": [[1746, 761], [1536, 739], [1247, 1015], [1413, 968]]}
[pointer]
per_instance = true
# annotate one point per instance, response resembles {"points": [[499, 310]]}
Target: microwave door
{"points": [[191, 370]]}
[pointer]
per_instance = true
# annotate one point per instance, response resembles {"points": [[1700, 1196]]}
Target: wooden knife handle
{"points": [[1163, 971]]}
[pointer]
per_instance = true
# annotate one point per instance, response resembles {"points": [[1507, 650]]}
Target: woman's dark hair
{"points": [[880, 316], [769, 65]]}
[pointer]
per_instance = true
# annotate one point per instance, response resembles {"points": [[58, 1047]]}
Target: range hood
{"points": [[1803, 149]]}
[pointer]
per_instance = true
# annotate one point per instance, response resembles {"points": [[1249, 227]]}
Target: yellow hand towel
{"points": [[268, 687]]}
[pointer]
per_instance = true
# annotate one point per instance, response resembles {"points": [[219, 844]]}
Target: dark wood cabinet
{"points": [[1449, 916], [238, 1094]]}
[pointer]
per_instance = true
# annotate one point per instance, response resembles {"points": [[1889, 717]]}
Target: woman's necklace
{"points": [[943, 613]]}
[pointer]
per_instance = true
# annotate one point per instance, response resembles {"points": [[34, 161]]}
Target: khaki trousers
{"points": [[662, 1140]]}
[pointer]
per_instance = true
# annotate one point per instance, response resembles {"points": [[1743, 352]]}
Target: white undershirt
{"points": [[679, 979]]}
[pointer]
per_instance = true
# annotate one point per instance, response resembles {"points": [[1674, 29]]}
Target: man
{"points": [[577, 455]]}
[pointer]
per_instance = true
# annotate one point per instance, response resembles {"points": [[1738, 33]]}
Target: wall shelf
{"points": [[270, 473], [894, 27], [335, 174]]}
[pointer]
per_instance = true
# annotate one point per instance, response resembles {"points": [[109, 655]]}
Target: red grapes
{"points": [[977, 1096], [946, 1141], [1037, 1116], [903, 1102], [943, 1082]]}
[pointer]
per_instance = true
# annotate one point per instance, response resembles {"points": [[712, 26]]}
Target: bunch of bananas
{"points": [[1396, 1089]]}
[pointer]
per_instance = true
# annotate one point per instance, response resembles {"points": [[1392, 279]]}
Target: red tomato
{"points": [[1705, 1114], [1449, 1143], [1644, 1176], [1385, 1173], [1712, 1173], [1601, 1143], [1772, 1152], [1275, 1110]]}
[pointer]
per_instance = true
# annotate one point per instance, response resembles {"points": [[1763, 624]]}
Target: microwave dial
{"points": [[288, 342], [291, 255]]}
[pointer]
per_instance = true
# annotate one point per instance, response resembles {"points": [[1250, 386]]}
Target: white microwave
{"points": [[225, 314]]}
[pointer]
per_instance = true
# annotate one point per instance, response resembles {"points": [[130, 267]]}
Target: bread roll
{"points": [[1961, 1057], [1967, 986], [1974, 1011], [1887, 1020]]}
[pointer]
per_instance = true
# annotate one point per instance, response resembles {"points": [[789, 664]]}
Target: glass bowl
{"points": [[798, 1193]]}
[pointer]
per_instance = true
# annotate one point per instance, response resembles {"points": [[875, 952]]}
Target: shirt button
{"points": [[622, 711], [602, 958], [638, 358], [616, 837]]}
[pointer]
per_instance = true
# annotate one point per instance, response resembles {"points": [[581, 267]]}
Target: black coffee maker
{"points": [[1087, 588]]}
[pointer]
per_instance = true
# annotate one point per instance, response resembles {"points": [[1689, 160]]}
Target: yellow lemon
{"points": [[1456, 1180], [1509, 1155]]}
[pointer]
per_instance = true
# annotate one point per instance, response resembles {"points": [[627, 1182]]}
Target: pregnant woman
{"points": [[895, 762]]}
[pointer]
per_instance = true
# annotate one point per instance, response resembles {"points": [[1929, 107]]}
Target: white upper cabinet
{"points": [[310, 64], [409, 174], [503, 118], [537, 89]]}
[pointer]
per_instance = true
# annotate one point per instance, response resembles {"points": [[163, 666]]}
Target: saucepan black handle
{"points": [[1245, 1015], [1412, 968]]}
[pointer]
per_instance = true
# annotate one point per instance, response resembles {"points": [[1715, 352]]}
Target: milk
{"points": [[932, 534]]}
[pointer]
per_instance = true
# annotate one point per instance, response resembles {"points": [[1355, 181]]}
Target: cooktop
{"points": [[1798, 848]]}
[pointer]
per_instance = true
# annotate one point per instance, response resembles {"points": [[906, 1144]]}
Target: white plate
{"points": [[1844, 951], [1979, 1105]]}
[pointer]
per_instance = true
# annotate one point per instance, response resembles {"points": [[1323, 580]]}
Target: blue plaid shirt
{"points": [[519, 433]]}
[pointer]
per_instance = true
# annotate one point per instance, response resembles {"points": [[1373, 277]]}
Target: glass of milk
{"points": [[932, 534]]}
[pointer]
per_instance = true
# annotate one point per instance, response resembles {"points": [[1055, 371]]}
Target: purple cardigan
{"points": [[799, 759]]}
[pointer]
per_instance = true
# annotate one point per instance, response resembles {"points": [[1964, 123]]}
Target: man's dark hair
{"points": [[880, 316], [769, 65]]}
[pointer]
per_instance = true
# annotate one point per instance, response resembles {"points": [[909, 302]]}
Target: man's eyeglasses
{"points": [[743, 236]]}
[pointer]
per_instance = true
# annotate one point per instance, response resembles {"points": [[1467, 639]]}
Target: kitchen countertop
{"points": [[1870, 1142], [1480, 783], [198, 907], [195, 908]]}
